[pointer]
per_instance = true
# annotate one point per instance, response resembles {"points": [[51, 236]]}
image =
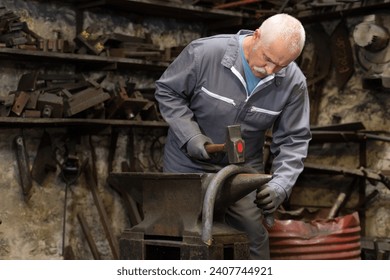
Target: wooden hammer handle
{"points": [[214, 148]]}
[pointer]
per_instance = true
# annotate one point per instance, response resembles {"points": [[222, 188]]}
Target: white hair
{"points": [[285, 27]]}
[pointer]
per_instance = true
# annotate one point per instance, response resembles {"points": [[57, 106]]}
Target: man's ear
{"points": [[256, 34]]}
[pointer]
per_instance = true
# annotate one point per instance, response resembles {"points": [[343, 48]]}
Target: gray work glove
{"points": [[195, 146], [269, 198]]}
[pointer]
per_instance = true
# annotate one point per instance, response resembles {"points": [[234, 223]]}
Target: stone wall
{"points": [[34, 229]]}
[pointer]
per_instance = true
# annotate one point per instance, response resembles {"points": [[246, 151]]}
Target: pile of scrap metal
{"points": [[14, 32], [90, 41], [64, 96]]}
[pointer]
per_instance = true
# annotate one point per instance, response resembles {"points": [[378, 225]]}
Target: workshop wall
{"points": [[353, 102], [33, 229]]}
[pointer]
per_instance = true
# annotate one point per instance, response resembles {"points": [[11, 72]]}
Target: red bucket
{"points": [[322, 239]]}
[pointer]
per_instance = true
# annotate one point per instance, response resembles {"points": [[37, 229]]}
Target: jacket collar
{"points": [[232, 57]]}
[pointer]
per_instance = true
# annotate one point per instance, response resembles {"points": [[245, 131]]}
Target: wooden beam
{"points": [[235, 4]]}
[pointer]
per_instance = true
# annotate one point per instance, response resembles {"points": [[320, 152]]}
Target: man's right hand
{"points": [[195, 146]]}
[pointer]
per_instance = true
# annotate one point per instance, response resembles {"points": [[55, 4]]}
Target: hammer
{"points": [[234, 145]]}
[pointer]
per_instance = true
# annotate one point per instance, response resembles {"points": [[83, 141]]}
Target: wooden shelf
{"points": [[163, 9], [360, 8], [84, 61], [18, 122]]}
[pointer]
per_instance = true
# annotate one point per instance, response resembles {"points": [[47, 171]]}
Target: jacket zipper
{"points": [[216, 96], [260, 110]]}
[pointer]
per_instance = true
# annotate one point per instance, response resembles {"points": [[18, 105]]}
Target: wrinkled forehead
{"points": [[278, 51]]}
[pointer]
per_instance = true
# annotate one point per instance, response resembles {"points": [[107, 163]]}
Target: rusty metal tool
{"points": [[371, 176], [90, 173], [71, 167], [234, 145], [342, 198], [88, 236], [342, 54], [6, 103], [70, 171], [23, 165], [102, 212], [44, 161], [20, 102]]}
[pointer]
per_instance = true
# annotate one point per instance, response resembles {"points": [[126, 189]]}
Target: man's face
{"points": [[266, 59]]}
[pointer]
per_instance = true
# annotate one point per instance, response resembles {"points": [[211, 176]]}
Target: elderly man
{"points": [[249, 78]]}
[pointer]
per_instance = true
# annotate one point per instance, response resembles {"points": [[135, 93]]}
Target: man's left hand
{"points": [[268, 199]]}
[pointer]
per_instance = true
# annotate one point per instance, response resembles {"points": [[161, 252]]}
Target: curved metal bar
{"points": [[211, 193]]}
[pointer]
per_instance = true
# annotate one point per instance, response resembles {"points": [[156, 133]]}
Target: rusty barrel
{"points": [[322, 239]]}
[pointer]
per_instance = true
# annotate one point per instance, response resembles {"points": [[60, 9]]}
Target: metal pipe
{"points": [[210, 196]]}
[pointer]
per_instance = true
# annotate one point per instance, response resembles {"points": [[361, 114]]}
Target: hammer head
{"points": [[235, 145]]}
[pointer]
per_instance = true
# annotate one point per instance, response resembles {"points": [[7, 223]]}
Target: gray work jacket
{"points": [[204, 91]]}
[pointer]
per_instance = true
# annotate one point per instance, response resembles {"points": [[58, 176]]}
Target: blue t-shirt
{"points": [[251, 80]]}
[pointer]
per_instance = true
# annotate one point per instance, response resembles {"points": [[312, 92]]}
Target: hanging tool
{"points": [[342, 54], [43, 162], [23, 165], [71, 170]]}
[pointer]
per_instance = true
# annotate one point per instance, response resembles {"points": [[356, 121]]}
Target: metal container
{"points": [[324, 239]]}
